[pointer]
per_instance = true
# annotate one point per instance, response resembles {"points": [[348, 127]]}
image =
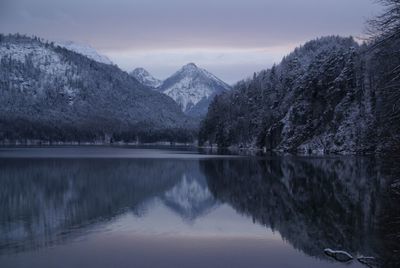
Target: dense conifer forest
{"points": [[331, 95]]}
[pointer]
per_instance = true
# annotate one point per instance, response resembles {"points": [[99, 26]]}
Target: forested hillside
{"points": [[330, 95], [52, 94]]}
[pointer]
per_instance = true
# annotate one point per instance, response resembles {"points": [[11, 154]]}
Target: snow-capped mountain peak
{"points": [[193, 88], [190, 66], [85, 50], [146, 78]]}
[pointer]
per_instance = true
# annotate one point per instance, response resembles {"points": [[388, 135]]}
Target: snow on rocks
{"points": [[339, 255], [144, 77], [191, 85]]}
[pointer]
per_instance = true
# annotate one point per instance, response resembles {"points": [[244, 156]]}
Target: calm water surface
{"points": [[171, 207]]}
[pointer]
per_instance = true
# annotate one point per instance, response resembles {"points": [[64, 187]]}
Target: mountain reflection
{"points": [[340, 203], [46, 200], [190, 198]]}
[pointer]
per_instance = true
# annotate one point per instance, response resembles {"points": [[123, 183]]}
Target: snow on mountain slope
{"points": [[191, 86], [53, 94], [85, 50], [46, 60], [33, 55], [146, 78]]}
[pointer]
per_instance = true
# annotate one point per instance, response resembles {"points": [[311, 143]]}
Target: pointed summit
{"points": [[144, 77], [193, 89], [190, 66]]}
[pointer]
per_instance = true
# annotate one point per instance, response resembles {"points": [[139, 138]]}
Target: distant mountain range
{"points": [[85, 50], [50, 93], [146, 78], [191, 87]]}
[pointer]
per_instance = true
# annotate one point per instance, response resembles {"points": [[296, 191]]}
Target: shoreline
{"points": [[250, 151]]}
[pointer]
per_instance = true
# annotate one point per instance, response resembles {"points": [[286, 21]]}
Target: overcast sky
{"points": [[231, 38]]}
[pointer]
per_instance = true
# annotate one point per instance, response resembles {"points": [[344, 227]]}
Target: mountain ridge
{"points": [[193, 88], [85, 50], [144, 77], [50, 93]]}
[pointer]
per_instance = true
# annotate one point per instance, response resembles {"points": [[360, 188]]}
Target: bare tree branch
{"points": [[385, 27]]}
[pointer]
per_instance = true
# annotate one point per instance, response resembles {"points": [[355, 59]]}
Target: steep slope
{"points": [[53, 94], [144, 77], [193, 89], [321, 99], [85, 50]]}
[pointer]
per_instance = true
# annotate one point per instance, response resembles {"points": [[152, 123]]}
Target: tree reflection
{"points": [[314, 203], [44, 201], [344, 203]]}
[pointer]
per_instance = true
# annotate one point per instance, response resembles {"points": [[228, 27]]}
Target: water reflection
{"points": [[341, 203]]}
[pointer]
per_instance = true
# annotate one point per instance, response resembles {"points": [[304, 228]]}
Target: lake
{"points": [[180, 207]]}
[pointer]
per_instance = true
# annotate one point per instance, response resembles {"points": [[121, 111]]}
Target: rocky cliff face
{"points": [[193, 88]]}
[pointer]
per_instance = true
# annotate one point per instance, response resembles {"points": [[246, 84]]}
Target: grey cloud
{"points": [[118, 26], [123, 24]]}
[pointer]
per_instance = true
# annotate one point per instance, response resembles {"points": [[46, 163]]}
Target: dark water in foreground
{"points": [[124, 207]]}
